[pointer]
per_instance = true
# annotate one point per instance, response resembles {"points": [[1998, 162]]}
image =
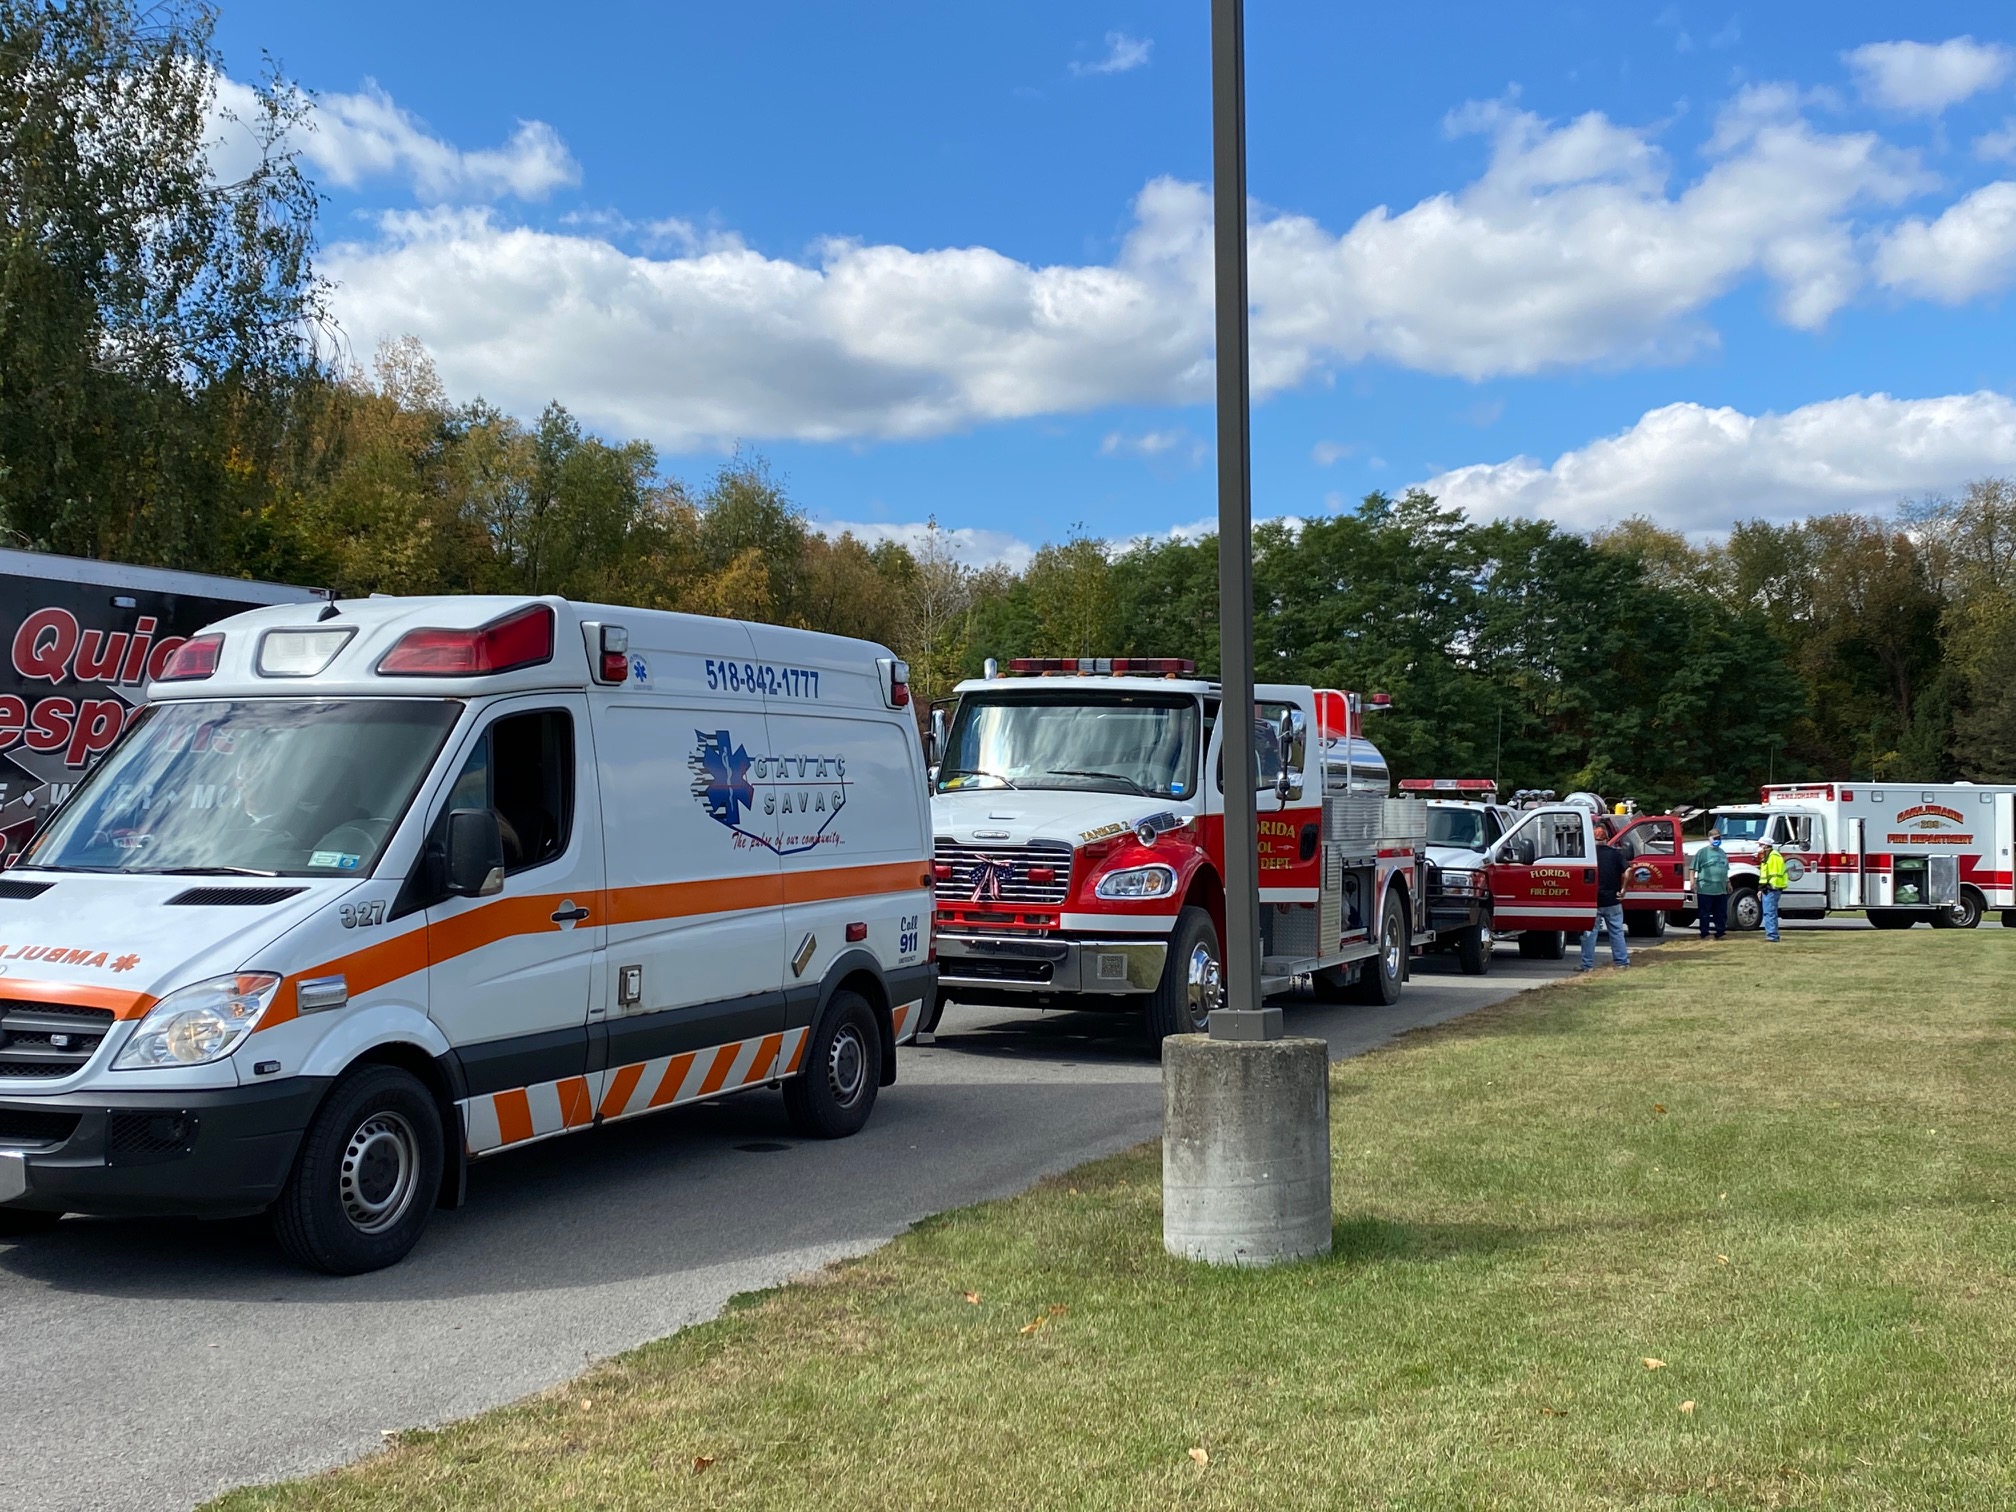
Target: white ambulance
{"points": [[1901, 851], [375, 888]]}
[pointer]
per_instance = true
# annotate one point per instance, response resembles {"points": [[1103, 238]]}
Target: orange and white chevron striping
{"points": [[499, 1120]]}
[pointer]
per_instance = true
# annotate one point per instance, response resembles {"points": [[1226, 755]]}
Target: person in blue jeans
{"points": [[1609, 907], [1772, 879]]}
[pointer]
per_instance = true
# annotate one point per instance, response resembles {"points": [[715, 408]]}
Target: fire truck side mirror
{"points": [[934, 741], [1294, 732]]}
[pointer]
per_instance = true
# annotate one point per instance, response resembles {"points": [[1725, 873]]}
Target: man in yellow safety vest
{"points": [[1771, 881]]}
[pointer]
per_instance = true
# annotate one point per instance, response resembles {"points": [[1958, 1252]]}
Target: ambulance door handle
{"points": [[570, 915]]}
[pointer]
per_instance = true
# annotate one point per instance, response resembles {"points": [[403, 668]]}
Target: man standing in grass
{"points": [[1609, 903], [1771, 881], [1708, 868]]}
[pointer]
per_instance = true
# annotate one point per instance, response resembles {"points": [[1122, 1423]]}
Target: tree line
{"points": [[173, 392]]}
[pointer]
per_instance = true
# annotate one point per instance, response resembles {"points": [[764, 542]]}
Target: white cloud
{"points": [[976, 548], [1178, 444], [1968, 251], [1123, 54], [1998, 146], [1697, 469], [1923, 78], [1568, 250], [1327, 453], [349, 139]]}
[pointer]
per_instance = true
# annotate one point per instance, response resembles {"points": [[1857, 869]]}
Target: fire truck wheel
{"points": [[1192, 979], [1543, 945], [1645, 923], [1745, 912], [1473, 950], [834, 1095], [366, 1176], [1379, 978], [1890, 918], [1966, 914], [19, 1223]]}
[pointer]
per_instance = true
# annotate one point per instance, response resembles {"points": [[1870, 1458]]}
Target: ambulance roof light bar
{"points": [[1103, 666], [1448, 785]]}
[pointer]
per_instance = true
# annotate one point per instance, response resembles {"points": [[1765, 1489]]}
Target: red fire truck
{"points": [[1901, 851], [1079, 813]]}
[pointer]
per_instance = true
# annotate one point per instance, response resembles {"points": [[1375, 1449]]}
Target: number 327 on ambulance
{"points": [[369, 892]]}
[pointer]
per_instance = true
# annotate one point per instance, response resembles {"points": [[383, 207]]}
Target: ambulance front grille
{"points": [[1000, 874], [44, 1040]]}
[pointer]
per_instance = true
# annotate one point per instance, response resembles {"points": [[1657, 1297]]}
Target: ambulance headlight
{"points": [[1137, 882], [199, 1024]]}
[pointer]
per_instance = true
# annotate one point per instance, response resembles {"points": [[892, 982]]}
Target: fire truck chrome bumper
{"points": [[1052, 965]]}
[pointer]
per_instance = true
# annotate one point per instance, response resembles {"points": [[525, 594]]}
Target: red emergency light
{"points": [[192, 659], [522, 638], [1106, 666], [1448, 785]]}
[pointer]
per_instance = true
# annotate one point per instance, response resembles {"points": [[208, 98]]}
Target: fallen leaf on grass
{"points": [[1554, 1412], [1652, 1364], [702, 1462], [1035, 1323], [1723, 1258], [1201, 1455], [974, 1298], [1658, 1107], [1687, 1407], [587, 1403]]}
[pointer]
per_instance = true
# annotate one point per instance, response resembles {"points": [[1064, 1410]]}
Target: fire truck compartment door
{"points": [[1655, 866], [1543, 872]]}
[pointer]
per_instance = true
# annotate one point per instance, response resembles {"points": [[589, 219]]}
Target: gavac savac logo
{"points": [[785, 804]]}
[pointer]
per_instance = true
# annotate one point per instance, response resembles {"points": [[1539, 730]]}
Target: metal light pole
{"points": [[1243, 1015]]}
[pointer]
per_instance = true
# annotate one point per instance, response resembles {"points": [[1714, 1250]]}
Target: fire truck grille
{"points": [[999, 875], [49, 1039]]}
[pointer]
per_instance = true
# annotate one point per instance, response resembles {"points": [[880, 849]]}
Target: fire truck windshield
{"points": [[1456, 826], [1745, 829], [1137, 743]]}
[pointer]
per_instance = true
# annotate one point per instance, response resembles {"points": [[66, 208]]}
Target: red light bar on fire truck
{"points": [[1448, 785], [1106, 666]]}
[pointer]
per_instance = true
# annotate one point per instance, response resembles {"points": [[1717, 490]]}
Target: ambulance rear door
{"points": [[1543, 872]]}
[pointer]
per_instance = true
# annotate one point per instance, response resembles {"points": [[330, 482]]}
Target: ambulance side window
{"points": [[522, 767]]}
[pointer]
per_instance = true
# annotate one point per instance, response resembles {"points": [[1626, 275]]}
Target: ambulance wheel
{"points": [[1890, 918], [2009, 918], [1966, 914], [1645, 923], [1379, 978], [835, 1093], [1473, 950], [366, 1176], [1193, 979], [1746, 911], [19, 1223], [1543, 944]]}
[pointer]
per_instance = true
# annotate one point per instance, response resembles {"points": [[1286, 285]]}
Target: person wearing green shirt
{"points": [[1709, 869]]}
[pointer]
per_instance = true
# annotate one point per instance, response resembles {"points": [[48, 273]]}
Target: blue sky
{"points": [[1702, 263]]}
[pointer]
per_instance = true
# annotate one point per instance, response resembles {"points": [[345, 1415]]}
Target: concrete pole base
{"points": [[1245, 1149]]}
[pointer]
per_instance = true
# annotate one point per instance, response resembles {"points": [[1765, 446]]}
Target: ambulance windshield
{"points": [[262, 787], [1456, 826], [1741, 829], [1142, 743]]}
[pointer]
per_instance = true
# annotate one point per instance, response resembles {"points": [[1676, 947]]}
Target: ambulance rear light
{"points": [[895, 682], [522, 638], [300, 653], [608, 651], [1104, 666], [192, 660]]}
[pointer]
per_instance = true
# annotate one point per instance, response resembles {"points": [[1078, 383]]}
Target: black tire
{"points": [[1193, 979], [1380, 975], [2009, 918], [1680, 918], [1645, 923], [1473, 950], [1746, 911], [19, 1223], [1966, 914], [833, 1096], [1543, 944], [1891, 918], [366, 1177], [936, 1012]]}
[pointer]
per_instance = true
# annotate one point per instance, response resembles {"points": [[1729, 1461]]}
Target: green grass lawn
{"points": [[1732, 1229]]}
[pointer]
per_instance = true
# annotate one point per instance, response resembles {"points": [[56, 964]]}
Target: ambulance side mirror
{"points": [[475, 854], [934, 744]]}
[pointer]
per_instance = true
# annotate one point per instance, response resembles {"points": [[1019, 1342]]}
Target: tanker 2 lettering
{"points": [[50, 646]]}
